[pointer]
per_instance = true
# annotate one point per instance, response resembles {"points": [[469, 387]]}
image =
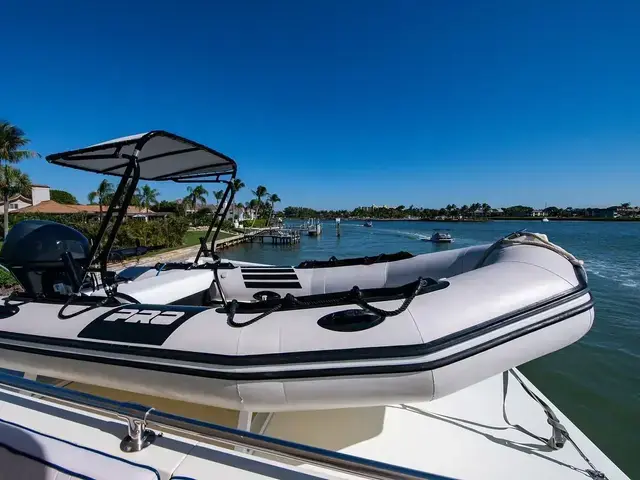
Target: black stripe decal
{"points": [[318, 373], [267, 270], [395, 351], [268, 276], [272, 285]]}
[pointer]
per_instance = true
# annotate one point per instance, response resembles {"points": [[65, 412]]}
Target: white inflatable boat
{"points": [[356, 332], [469, 314]]}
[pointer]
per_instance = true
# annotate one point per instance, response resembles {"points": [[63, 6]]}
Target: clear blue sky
{"points": [[342, 103]]}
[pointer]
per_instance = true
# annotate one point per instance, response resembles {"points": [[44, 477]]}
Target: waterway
{"points": [[596, 381]]}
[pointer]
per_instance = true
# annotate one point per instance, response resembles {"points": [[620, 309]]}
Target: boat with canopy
{"points": [[419, 347], [324, 334]]}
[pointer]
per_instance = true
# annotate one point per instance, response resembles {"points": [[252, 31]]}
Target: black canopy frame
{"points": [[125, 158]]}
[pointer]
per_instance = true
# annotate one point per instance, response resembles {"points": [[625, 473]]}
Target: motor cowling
{"points": [[46, 257]]}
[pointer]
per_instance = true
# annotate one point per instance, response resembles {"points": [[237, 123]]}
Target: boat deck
{"points": [[461, 436]]}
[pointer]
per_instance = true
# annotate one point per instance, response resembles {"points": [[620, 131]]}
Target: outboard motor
{"points": [[47, 258]]}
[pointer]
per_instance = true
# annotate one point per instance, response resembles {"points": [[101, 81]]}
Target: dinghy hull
{"points": [[498, 308]]}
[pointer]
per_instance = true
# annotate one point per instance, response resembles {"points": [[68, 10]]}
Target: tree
{"points": [[169, 206], [63, 197], [12, 143], [103, 195], [486, 209], [259, 192], [252, 206], [136, 200], [218, 194], [237, 185], [12, 182], [625, 205], [196, 194], [148, 196], [273, 199]]}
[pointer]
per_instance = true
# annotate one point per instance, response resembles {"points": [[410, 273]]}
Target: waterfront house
{"points": [[40, 202], [39, 193], [627, 212]]}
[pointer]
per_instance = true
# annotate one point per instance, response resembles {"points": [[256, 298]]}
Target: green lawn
{"points": [[193, 237]]}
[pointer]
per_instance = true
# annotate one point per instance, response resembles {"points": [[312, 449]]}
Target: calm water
{"points": [[596, 381]]}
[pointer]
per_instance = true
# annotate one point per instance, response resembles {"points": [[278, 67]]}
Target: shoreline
{"points": [[489, 219]]}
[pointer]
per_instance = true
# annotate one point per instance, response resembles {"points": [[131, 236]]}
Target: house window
{"points": [[13, 206]]}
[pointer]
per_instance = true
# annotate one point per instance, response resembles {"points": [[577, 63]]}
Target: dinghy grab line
{"points": [[353, 296]]}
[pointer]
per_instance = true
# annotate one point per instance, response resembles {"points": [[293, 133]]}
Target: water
{"points": [[596, 381]]}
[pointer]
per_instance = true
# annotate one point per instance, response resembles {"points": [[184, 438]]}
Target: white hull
{"points": [[426, 437], [524, 302]]}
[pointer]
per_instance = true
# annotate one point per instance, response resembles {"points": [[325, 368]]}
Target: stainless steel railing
{"points": [[141, 419]]}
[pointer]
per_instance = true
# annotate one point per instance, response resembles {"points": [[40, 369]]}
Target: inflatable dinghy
{"points": [[403, 330], [355, 332]]}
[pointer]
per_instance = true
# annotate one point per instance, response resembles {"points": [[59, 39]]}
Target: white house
{"points": [[39, 194]]}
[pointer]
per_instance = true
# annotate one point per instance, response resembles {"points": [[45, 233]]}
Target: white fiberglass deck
{"points": [[459, 436]]}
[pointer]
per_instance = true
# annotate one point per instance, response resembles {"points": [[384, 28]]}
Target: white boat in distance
{"points": [[440, 236], [417, 375]]}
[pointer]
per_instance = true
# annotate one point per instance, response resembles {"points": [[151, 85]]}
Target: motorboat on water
{"points": [[362, 333], [440, 237], [368, 223], [545, 219]]}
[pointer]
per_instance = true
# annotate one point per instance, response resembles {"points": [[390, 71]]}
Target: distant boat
{"points": [[545, 219], [368, 223], [440, 237]]}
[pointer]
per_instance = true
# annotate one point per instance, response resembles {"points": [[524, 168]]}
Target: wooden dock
{"points": [[275, 236]]}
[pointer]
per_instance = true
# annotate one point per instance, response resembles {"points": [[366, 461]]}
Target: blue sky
{"points": [[342, 103]]}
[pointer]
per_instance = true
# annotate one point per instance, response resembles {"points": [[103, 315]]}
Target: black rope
{"points": [[232, 311], [101, 303], [391, 313], [354, 296]]}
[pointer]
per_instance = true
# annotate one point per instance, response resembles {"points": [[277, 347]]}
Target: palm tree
{"points": [[196, 194], [136, 199], [252, 206], [103, 194], [273, 199], [12, 182], [237, 185], [218, 194], [148, 196], [12, 143], [259, 192], [486, 209]]}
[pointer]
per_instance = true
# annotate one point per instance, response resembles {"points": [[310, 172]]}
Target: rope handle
{"points": [[354, 295]]}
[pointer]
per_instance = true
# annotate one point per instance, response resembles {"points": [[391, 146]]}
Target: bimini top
{"points": [[161, 156]]}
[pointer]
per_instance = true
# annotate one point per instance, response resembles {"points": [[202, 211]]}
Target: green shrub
{"points": [[168, 232], [61, 196], [6, 279]]}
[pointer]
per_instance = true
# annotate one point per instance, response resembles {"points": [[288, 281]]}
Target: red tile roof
{"points": [[51, 206]]}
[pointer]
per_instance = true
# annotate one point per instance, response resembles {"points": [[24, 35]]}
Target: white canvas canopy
{"points": [[161, 156]]}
